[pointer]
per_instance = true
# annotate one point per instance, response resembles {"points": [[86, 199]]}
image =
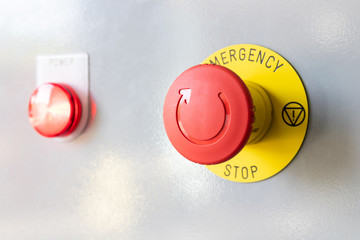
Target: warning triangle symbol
{"points": [[294, 114]]}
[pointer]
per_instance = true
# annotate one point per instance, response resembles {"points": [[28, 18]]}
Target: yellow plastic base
{"points": [[267, 157], [262, 110]]}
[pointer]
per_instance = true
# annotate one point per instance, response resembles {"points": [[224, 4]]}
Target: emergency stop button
{"points": [[54, 110], [208, 114], [243, 113]]}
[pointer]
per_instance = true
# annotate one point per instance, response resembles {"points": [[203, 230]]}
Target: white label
{"points": [[72, 70]]}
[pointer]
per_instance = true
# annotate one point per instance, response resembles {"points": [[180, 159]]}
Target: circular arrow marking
{"points": [[208, 114], [293, 114], [185, 99]]}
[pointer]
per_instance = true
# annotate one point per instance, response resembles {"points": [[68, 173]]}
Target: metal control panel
{"points": [[121, 178]]}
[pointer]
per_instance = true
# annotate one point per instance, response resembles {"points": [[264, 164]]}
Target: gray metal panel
{"points": [[121, 179]]}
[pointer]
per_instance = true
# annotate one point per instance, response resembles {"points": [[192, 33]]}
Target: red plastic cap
{"points": [[208, 114], [54, 110]]}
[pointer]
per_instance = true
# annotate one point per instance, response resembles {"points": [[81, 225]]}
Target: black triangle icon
{"points": [[294, 114]]}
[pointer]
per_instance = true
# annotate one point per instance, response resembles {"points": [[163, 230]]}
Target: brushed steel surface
{"points": [[121, 179]]}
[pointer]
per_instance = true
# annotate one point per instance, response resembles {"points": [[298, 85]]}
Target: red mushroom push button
{"points": [[54, 110], [243, 113], [209, 114]]}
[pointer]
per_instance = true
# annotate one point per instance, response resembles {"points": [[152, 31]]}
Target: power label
{"points": [[264, 159], [70, 69]]}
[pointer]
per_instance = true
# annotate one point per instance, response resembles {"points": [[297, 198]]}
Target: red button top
{"points": [[208, 114], [54, 110]]}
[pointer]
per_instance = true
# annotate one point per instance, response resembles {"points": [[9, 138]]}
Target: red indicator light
{"points": [[54, 110], [208, 114]]}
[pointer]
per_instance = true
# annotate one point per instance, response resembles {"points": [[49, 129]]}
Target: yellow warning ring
{"points": [[290, 111]]}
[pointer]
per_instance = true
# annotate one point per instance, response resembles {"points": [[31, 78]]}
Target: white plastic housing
{"points": [[70, 69]]}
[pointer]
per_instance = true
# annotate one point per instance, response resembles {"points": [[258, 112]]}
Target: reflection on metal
{"points": [[110, 199]]}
